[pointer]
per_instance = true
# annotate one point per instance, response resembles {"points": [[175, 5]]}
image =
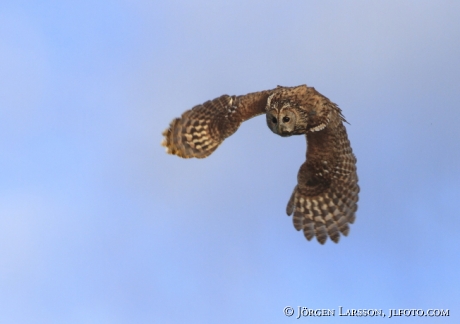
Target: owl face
{"points": [[284, 118]]}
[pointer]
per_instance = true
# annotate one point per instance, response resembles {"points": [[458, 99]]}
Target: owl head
{"points": [[296, 111], [284, 112]]}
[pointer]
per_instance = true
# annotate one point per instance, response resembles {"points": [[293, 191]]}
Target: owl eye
{"points": [[274, 120], [286, 119]]}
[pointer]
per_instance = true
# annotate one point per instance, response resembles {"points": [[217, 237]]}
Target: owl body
{"points": [[324, 201]]}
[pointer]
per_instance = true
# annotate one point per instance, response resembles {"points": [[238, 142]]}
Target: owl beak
{"points": [[283, 132]]}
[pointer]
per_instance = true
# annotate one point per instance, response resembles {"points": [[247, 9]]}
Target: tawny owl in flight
{"points": [[325, 198]]}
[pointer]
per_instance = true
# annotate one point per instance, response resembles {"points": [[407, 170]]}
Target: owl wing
{"points": [[325, 199], [200, 130]]}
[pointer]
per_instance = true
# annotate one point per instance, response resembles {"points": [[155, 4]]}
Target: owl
{"points": [[324, 201]]}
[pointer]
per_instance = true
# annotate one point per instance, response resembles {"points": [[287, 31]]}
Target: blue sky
{"points": [[99, 225]]}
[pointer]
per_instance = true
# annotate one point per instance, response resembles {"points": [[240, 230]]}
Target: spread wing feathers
{"points": [[200, 130], [325, 199]]}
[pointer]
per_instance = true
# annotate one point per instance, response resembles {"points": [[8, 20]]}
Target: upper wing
{"points": [[325, 198], [200, 130]]}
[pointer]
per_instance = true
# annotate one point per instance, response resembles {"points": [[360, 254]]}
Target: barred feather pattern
{"points": [[325, 199], [201, 129]]}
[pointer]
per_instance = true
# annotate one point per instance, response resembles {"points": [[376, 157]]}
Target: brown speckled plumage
{"points": [[325, 198]]}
